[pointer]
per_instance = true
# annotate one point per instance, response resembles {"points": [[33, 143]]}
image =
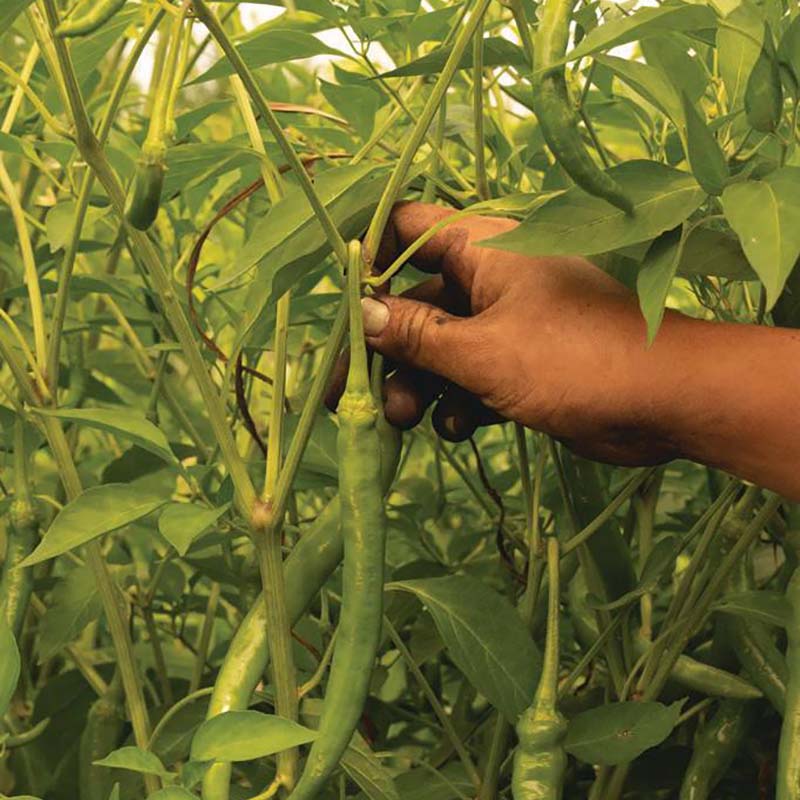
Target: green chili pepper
{"points": [[761, 660], [540, 759], [91, 21], [364, 530], [22, 535], [16, 585], [687, 671], [553, 107], [144, 194], [105, 724], [715, 747], [312, 561], [788, 777]]}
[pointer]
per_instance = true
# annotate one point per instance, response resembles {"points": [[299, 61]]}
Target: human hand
{"points": [[552, 343]]}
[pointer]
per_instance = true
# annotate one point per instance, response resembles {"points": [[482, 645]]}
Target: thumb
{"points": [[423, 336]]}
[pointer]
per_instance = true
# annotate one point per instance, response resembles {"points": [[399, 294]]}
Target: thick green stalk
{"points": [[145, 250], [82, 203]]}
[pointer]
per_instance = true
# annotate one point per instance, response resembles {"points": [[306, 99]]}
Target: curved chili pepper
{"points": [[553, 108]]}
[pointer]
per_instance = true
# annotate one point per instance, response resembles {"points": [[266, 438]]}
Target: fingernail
{"points": [[375, 314]]}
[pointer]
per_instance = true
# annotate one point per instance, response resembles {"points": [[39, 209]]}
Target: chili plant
{"points": [[212, 587]]}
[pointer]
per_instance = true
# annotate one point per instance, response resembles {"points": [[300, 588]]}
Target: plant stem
{"points": [[481, 178], [392, 192], [82, 203], [211, 22], [145, 251], [441, 714]]}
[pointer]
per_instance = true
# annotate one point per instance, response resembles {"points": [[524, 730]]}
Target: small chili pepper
{"points": [[540, 759], [715, 747], [91, 21]]}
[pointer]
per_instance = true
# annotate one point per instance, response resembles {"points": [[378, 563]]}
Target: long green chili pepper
{"points": [[22, 535], [552, 104], [687, 671], [364, 530], [788, 777], [715, 747], [540, 758], [91, 21], [144, 195], [105, 724]]}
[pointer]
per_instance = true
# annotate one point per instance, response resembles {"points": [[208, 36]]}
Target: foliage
{"points": [[145, 374]]}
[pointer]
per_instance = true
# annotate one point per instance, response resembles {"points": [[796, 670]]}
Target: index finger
{"points": [[449, 251]]}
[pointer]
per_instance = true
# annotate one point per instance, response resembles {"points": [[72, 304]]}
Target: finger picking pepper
{"points": [[364, 530], [552, 105]]}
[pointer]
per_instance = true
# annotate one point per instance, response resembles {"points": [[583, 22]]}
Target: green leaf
{"points": [[172, 793], [765, 215], [245, 735], [643, 22], [96, 511], [359, 104], [764, 606], [134, 759], [270, 47], [669, 53], [364, 769], [484, 637], [738, 46], [707, 251], [655, 276], [763, 97], [88, 51], [127, 424], [648, 82], [9, 664], [10, 10], [289, 241], [789, 56], [618, 732], [705, 155], [576, 223], [74, 604], [181, 523], [497, 52]]}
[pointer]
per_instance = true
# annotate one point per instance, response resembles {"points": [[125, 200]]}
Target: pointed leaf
{"points": [[181, 523], [576, 223], [763, 97], [703, 151], [98, 510], [738, 46], [766, 216], [270, 47], [484, 636], [655, 278], [127, 424], [134, 759], [763, 606], [618, 732], [245, 735]]}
